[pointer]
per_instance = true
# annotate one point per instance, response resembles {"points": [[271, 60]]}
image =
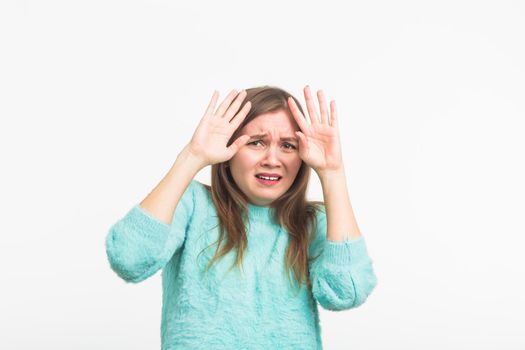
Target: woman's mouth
{"points": [[268, 180]]}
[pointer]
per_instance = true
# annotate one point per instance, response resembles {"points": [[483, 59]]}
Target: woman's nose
{"points": [[271, 157]]}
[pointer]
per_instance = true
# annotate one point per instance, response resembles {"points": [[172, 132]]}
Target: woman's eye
{"points": [[287, 146]]}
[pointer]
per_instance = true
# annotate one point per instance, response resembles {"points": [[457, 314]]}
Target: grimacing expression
{"points": [[272, 151]]}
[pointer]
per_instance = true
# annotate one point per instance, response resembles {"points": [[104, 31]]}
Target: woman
{"points": [[254, 217]]}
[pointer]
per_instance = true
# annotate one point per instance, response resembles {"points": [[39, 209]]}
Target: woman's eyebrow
{"points": [[262, 136]]}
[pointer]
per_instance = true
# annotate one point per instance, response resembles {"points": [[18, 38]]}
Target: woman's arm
{"points": [[148, 236], [342, 273], [342, 276], [341, 221], [163, 199], [144, 240]]}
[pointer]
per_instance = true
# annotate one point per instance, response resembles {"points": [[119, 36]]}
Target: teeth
{"points": [[268, 178]]}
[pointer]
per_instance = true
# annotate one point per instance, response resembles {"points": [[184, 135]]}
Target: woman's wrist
{"points": [[190, 159]]}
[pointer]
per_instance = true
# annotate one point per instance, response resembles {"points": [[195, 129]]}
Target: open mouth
{"points": [[268, 180]]}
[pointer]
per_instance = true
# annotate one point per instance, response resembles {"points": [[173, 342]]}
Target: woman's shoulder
{"points": [[199, 187], [202, 186], [200, 191]]}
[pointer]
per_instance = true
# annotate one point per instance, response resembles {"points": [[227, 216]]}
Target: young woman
{"points": [[246, 260]]}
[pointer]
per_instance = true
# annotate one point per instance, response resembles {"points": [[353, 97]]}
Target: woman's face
{"points": [[271, 151]]}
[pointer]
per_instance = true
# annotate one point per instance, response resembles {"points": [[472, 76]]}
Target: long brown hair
{"points": [[291, 210]]}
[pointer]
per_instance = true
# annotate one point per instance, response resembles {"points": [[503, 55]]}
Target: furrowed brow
{"points": [[262, 136], [258, 136]]}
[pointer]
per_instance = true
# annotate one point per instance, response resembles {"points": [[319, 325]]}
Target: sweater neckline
{"points": [[259, 213]]}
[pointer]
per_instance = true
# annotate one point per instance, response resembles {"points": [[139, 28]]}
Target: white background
{"points": [[98, 97]]}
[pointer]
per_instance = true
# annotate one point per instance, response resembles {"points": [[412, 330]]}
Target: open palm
{"points": [[319, 144], [210, 139]]}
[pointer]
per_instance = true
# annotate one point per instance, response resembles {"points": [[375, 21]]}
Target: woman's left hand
{"points": [[319, 143]]}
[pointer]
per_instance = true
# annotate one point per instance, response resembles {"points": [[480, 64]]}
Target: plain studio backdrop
{"points": [[97, 98]]}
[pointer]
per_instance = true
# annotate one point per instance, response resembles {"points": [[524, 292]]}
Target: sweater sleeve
{"points": [[138, 245], [342, 275]]}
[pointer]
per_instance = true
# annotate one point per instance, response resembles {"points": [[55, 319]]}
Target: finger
{"points": [[227, 101], [234, 107], [237, 144], [314, 118], [303, 144], [322, 107], [237, 120], [333, 115], [211, 105], [299, 117]]}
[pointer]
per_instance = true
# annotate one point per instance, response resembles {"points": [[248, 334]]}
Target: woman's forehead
{"points": [[280, 124]]}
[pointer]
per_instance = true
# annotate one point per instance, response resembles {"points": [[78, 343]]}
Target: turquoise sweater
{"points": [[253, 308]]}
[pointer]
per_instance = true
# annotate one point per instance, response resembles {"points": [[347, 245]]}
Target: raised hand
{"points": [[319, 143], [209, 141]]}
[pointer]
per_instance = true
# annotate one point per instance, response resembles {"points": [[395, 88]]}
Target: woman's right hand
{"points": [[209, 140]]}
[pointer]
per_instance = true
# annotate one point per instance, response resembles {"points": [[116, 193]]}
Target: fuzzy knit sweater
{"points": [[250, 308]]}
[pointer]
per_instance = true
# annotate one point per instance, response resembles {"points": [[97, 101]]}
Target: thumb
{"points": [[302, 139], [303, 144], [234, 147]]}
